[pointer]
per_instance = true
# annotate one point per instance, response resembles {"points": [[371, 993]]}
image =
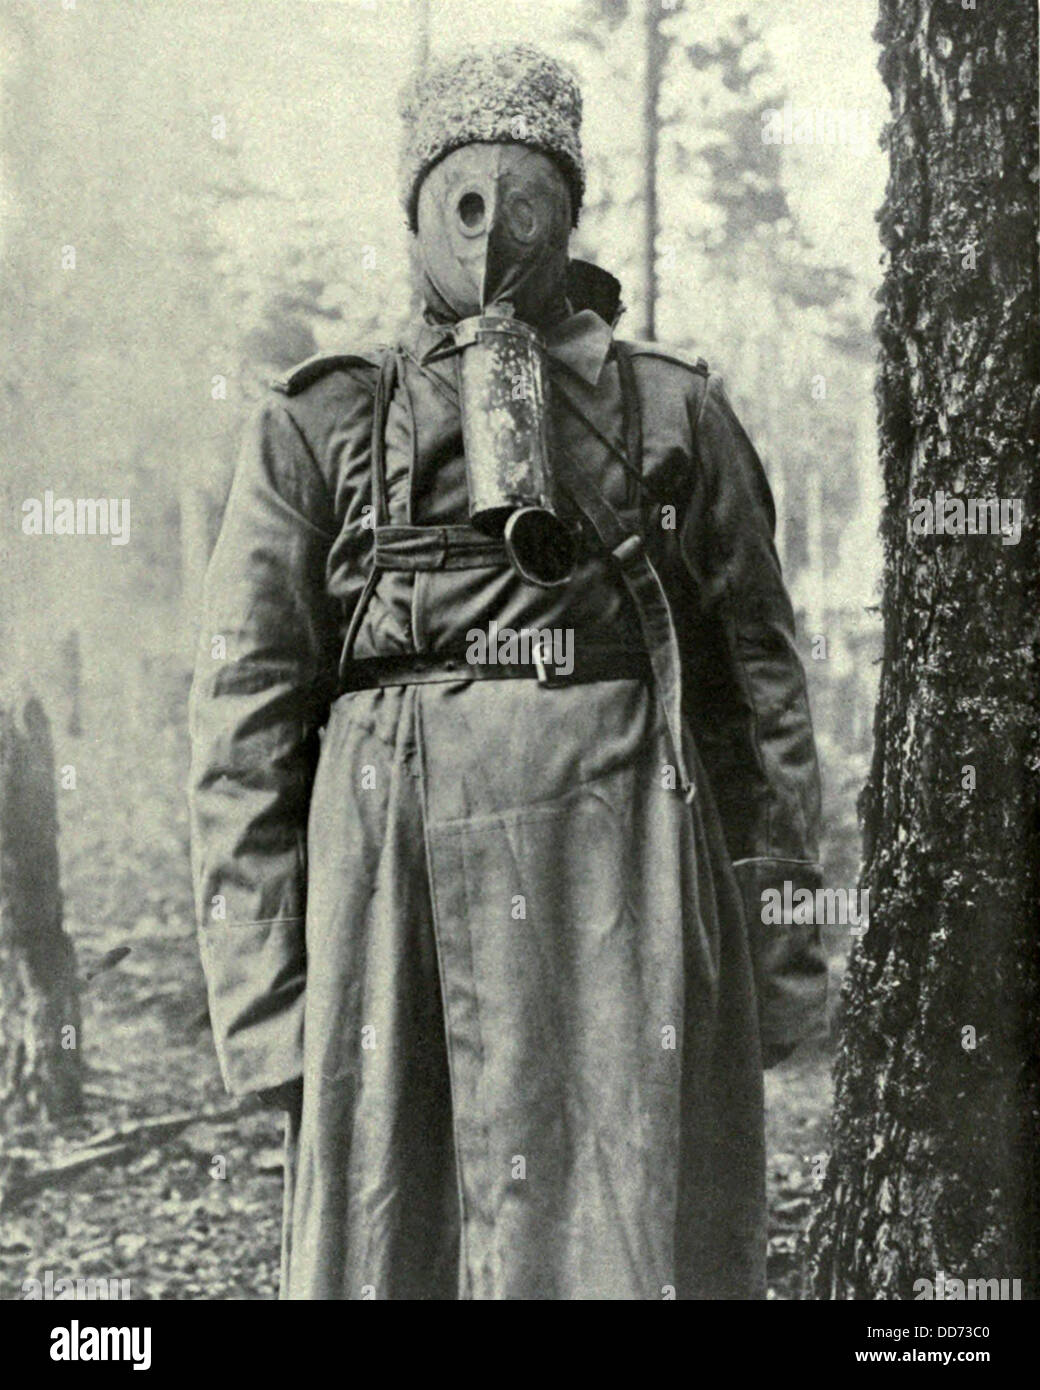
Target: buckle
{"points": [[546, 674], [628, 550]]}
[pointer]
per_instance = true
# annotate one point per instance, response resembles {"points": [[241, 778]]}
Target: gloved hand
{"points": [[788, 960]]}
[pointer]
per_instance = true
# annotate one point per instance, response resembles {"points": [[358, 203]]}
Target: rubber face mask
{"points": [[494, 222]]}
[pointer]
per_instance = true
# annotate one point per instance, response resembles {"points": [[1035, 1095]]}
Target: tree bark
{"points": [[40, 1073], [934, 1137]]}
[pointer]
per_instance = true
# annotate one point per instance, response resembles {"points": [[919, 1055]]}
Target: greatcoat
{"points": [[525, 983]]}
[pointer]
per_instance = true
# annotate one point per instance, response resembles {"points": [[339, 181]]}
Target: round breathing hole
{"points": [[541, 547], [471, 211]]}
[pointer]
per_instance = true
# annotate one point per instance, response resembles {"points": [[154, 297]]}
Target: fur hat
{"points": [[507, 93]]}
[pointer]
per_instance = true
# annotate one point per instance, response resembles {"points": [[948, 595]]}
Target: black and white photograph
{"points": [[519, 730]]}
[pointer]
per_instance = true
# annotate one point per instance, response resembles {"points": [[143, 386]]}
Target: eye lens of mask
{"points": [[471, 212], [523, 218]]}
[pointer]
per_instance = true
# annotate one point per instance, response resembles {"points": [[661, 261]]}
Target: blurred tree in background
{"points": [[737, 278]]}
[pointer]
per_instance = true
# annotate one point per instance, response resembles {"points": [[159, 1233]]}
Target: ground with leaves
{"points": [[194, 1212]]}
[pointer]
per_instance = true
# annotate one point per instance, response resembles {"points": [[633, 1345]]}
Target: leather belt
{"points": [[591, 663], [399, 547]]}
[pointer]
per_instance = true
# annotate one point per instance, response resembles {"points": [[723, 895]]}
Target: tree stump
{"points": [[40, 1033]]}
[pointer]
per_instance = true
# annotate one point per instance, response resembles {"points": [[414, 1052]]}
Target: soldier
{"points": [[491, 932]]}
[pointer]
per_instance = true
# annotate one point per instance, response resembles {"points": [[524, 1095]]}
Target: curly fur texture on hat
{"points": [[513, 93]]}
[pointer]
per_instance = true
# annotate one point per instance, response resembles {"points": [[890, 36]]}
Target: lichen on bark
{"points": [[935, 1129]]}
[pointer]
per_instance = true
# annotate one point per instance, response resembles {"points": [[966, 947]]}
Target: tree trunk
{"points": [[40, 1074], [421, 31], [934, 1134], [72, 672], [653, 50]]}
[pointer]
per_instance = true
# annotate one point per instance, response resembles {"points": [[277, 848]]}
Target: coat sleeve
{"points": [[264, 677], [751, 717]]}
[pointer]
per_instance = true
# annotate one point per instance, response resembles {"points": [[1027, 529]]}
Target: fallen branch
{"points": [[163, 1127], [122, 1144], [18, 1181]]}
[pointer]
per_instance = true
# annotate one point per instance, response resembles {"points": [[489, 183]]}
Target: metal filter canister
{"points": [[503, 389]]}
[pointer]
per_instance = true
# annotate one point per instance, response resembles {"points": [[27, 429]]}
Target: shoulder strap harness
{"points": [[414, 548]]}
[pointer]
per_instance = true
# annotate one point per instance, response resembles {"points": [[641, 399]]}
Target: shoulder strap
{"points": [[650, 600], [631, 412], [312, 369], [667, 354], [384, 392]]}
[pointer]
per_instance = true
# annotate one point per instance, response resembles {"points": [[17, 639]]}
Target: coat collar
{"points": [[581, 342]]}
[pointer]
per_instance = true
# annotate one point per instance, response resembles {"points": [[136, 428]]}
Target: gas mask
{"points": [[494, 222]]}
